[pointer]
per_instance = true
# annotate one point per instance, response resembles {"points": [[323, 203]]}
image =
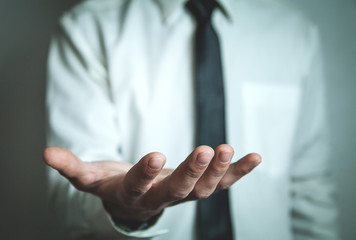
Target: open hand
{"points": [[143, 190]]}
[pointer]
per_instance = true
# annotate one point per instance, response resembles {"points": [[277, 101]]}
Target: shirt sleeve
{"points": [[81, 117], [314, 211]]}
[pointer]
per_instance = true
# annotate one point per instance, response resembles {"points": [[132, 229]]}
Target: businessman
{"points": [[139, 136]]}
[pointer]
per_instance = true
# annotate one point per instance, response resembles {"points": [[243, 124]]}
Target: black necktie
{"points": [[213, 213]]}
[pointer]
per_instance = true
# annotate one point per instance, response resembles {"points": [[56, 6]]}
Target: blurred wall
{"points": [[337, 23], [25, 29]]}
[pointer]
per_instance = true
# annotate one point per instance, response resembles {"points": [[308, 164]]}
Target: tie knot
{"points": [[201, 9]]}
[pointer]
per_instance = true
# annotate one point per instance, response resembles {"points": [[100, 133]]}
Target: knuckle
{"points": [[244, 170], [201, 194], [191, 172], [135, 191], [217, 172], [84, 182], [148, 175], [176, 193]]}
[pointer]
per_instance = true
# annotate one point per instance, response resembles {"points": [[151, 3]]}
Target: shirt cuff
{"points": [[139, 230]]}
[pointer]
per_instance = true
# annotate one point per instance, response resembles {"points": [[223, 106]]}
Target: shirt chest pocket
{"points": [[270, 116]]}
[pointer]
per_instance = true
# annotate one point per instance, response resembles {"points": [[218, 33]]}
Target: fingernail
{"points": [[155, 163], [225, 157], [203, 159]]}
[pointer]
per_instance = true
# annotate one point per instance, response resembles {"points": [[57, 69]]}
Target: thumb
{"points": [[64, 161]]}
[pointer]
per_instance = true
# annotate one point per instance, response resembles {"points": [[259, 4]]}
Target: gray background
{"points": [[25, 31]]}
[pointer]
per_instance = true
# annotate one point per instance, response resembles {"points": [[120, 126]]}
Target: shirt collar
{"points": [[170, 7]]}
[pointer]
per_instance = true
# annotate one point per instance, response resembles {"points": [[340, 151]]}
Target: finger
{"points": [[239, 169], [182, 181], [63, 160], [69, 165], [206, 185], [140, 177]]}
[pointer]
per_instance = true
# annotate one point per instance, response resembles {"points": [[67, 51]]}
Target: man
{"points": [[121, 89]]}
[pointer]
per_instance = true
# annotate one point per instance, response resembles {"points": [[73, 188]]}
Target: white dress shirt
{"points": [[120, 86]]}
